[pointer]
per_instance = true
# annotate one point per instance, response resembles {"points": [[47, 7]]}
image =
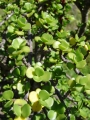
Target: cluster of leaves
{"points": [[36, 51]]}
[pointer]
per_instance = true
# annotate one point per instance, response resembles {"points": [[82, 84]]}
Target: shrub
{"points": [[44, 66]]}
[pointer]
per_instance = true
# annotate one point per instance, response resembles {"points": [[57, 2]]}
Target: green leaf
{"points": [[8, 94], [19, 33], [61, 117], [21, 21], [71, 56], [10, 29], [27, 6], [25, 49], [16, 72], [23, 44], [39, 117], [85, 80], [39, 71], [87, 92], [26, 110], [20, 102], [20, 57], [82, 38], [59, 108], [64, 46], [20, 87], [72, 83], [37, 79], [27, 27], [63, 34], [79, 87], [46, 77], [29, 72], [47, 38], [45, 15], [79, 56], [8, 104], [83, 113], [49, 102], [17, 42], [56, 44], [49, 88], [52, 115], [81, 64], [14, 18], [27, 86], [22, 70], [37, 39], [17, 110], [11, 49], [72, 117], [43, 95]]}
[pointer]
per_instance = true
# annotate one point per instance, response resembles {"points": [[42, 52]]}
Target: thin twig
{"points": [[66, 94], [6, 18], [72, 100]]}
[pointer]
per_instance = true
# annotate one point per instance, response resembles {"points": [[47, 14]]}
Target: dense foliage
{"points": [[44, 67]]}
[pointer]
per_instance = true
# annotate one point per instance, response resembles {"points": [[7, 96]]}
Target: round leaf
{"points": [[49, 102], [81, 64], [43, 95], [26, 110], [26, 49], [20, 118], [10, 29], [29, 72], [39, 71], [36, 107], [17, 110], [33, 96], [46, 77], [8, 104], [52, 115], [27, 27], [56, 44], [37, 79], [20, 102], [21, 21], [85, 80], [15, 44], [8, 94], [20, 87]]}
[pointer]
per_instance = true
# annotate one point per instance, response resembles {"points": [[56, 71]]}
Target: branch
{"points": [[72, 100], [83, 7], [68, 76], [66, 94], [30, 44], [62, 101], [25, 62], [84, 14], [78, 72], [5, 19], [77, 3]]}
